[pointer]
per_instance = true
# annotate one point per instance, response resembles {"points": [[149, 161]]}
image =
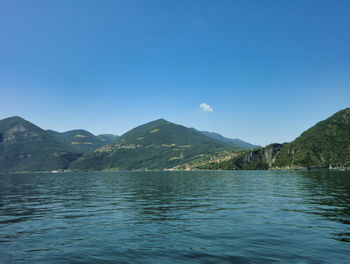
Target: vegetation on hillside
{"points": [[155, 145], [237, 143], [325, 145], [26, 147], [258, 159], [164, 145], [108, 138], [82, 140]]}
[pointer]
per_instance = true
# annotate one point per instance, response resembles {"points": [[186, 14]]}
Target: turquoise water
{"points": [[174, 217]]}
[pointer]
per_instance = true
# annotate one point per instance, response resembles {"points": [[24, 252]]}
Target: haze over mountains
{"points": [[234, 142], [163, 145]]}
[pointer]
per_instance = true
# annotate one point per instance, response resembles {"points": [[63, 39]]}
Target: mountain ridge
{"points": [[326, 145], [160, 144], [26, 147], [80, 139], [157, 144], [232, 141]]}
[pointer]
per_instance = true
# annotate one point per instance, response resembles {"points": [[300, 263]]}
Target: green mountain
{"points": [[237, 143], [155, 145], [26, 147], [107, 138], [325, 145], [161, 144], [82, 140]]}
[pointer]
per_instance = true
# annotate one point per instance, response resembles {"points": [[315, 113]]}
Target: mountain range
{"points": [[164, 145], [237, 143], [26, 147], [82, 140], [156, 145]]}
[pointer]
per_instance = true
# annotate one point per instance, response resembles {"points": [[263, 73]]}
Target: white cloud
{"points": [[206, 108]]}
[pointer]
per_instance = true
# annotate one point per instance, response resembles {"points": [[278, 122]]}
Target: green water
{"points": [[175, 217]]}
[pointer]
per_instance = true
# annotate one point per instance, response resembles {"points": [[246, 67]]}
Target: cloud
{"points": [[206, 108]]}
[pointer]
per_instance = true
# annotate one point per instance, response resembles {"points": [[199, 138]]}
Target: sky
{"points": [[261, 71]]}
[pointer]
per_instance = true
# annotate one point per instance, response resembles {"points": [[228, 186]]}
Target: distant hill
{"points": [[82, 140], [107, 137], [26, 147], [234, 142], [155, 145], [325, 145]]}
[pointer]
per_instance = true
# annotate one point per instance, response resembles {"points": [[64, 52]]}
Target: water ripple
{"points": [[157, 217]]}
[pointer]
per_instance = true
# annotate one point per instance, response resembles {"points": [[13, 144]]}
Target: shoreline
{"points": [[167, 170]]}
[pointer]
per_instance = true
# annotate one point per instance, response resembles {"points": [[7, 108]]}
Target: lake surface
{"points": [[162, 217]]}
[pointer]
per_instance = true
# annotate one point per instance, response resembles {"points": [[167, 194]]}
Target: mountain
{"points": [[155, 145], [234, 142], [325, 145], [82, 140], [26, 147], [161, 144], [108, 138], [257, 159]]}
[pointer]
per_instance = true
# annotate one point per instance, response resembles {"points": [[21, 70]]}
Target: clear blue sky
{"points": [[268, 69]]}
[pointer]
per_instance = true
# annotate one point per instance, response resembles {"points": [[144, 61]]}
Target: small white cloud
{"points": [[206, 108]]}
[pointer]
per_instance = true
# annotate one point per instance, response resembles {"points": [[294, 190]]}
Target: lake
{"points": [[176, 217]]}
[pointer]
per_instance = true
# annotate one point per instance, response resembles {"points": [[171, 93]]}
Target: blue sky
{"points": [[267, 69]]}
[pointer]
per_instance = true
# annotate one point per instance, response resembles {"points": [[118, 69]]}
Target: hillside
{"points": [[164, 145], [155, 145], [26, 147], [257, 159], [82, 140], [108, 138], [237, 143], [325, 145]]}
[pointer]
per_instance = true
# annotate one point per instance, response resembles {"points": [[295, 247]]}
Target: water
{"points": [[162, 217]]}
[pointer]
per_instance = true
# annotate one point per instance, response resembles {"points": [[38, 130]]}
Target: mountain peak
{"points": [[19, 124], [26, 147], [155, 145], [160, 121], [324, 145], [14, 119]]}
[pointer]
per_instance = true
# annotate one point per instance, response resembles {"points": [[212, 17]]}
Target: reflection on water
{"points": [[207, 216]]}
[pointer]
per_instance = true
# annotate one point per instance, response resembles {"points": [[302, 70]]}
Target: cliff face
{"points": [[258, 159], [270, 152], [266, 154], [17, 132]]}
